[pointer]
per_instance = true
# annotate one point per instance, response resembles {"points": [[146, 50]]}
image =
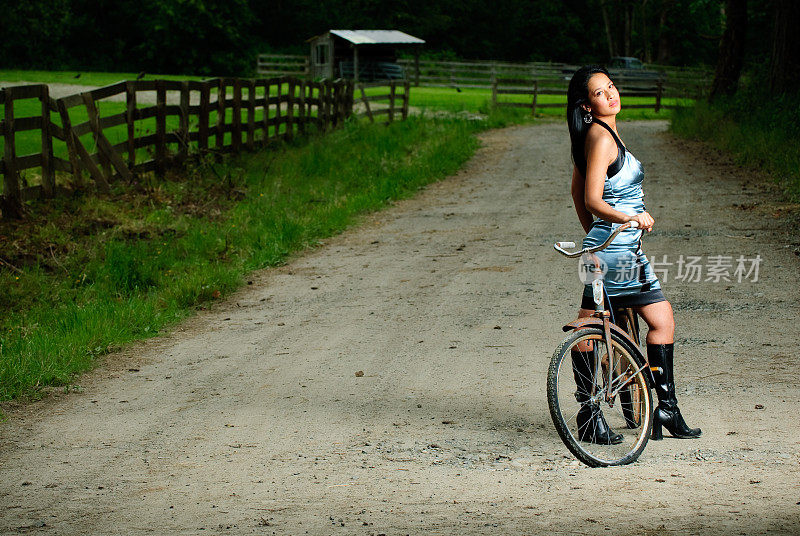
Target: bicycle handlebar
{"points": [[560, 246]]}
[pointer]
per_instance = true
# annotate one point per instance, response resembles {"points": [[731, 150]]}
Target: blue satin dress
{"points": [[629, 278]]}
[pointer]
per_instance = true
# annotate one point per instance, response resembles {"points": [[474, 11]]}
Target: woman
{"points": [[606, 182]]}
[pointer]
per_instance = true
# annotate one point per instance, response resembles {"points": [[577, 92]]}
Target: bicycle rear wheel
{"points": [[575, 390]]}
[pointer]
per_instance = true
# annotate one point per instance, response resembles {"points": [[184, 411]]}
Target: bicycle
{"points": [[585, 378]]}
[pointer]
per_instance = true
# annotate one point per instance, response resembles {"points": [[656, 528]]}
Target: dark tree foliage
{"points": [[31, 31], [731, 51], [221, 37], [784, 67]]}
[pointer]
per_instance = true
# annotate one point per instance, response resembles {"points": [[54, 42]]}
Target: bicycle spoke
{"points": [[596, 431]]}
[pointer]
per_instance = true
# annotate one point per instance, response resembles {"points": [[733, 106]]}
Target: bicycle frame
{"points": [[602, 320], [601, 317]]}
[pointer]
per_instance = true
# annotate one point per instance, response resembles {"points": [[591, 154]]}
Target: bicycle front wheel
{"points": [[589, 391]]}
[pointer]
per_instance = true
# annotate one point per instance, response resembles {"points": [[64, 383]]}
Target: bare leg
{"points": [[660, 322], [660, 338]]}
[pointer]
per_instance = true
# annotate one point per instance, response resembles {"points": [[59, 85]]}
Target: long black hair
{"points": [[578, 94]]}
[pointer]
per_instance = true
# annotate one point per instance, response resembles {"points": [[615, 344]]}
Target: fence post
{"points": [[266, 111], [535, 95], [107, 155], [183, 123], [406, 97], [494, 92], [351, 96], [366, 103], [326, 104], [94, 122], [161, 127], [236, 135], [392, 93], [302, 116], [290, 87], [12, 202], [338, 91], [659, 90], [320, 106], [221, 97], [251, 114], [203, 117], [276, 121], [48, 178], [72, 149], [130, 120]]}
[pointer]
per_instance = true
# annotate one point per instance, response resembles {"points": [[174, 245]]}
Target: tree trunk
{"points": [[663, 35], [784, 65], [731, 50], [609, 34], [648, 56], [627, 37]]}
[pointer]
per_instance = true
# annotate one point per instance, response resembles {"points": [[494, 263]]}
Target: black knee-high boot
{"points": [[592, 426], [667, 413]]}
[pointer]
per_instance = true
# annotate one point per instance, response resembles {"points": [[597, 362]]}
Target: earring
{"points": [[587, 118]]}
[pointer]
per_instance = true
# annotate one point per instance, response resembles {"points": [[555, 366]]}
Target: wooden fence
{"points": [[658, 81], [389, 101], [189, 118], [675, 82], [283, 65], [513, 86]]}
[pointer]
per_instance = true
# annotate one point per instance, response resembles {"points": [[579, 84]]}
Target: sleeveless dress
{"points": [[630, 280]]}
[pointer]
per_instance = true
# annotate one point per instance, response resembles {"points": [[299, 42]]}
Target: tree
{"points": [[612, 49], [784, 65], [731, 50]]}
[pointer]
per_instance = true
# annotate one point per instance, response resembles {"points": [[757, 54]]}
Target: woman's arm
{"points": [[578, 185], [601, 150]]}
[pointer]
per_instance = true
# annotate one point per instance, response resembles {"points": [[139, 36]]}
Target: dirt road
{"points": [[392, 381]]}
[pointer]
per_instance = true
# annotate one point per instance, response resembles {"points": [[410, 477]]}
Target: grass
{"points": [[479, 101], [759, 132], [429, 98], [84, 276], [30, 142], [84, 78]]}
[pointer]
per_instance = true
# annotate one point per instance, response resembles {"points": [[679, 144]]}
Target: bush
{"points": [[760, 131]]}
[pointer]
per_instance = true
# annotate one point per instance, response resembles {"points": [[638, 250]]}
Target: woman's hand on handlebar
{"points": [[645, 221]]}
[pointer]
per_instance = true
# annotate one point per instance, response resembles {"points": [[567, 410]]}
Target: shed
{"points": [[360, 54]]}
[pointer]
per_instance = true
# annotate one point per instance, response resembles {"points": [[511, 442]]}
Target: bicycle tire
{"points": [[564, 394]]}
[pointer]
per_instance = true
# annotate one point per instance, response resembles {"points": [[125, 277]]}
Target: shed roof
{"points": [[375, 37]]}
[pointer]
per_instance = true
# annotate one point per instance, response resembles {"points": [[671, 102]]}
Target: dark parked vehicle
{"points": [[632, 68]]}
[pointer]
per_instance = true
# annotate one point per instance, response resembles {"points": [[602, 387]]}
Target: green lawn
{"points": [[479, 100], [85, 78]]}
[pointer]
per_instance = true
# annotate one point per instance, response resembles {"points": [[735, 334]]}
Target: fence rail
{"points": [[675, 82], [392, 103], [682, 81], [664, 81], [516, 86], [186, 118], [283, 65]]}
